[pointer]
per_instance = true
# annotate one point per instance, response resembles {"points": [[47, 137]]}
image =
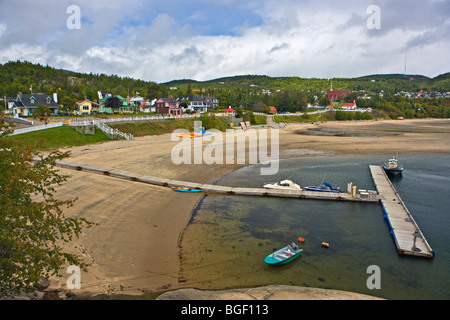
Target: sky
{"points": [[208, 39]]}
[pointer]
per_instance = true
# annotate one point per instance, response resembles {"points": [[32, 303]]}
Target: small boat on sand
{"points": [[182, 189], [283, 185], [283, 255]]}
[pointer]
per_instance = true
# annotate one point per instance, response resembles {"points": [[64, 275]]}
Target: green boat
{"points": [[283, 255]]}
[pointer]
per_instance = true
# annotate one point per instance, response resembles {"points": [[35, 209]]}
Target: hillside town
{"points": [[26, 105]]}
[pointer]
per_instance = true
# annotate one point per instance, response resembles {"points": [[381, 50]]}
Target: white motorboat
{"points": [[283, 185]]}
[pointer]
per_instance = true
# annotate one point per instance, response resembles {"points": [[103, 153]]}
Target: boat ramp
{"points": [[407, 235]]}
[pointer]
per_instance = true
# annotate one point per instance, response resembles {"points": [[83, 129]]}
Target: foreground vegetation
{"points": [[32, 222]]}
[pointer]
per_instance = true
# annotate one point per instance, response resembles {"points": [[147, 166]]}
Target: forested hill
{"points": [[21, 76], [373, 83], [394, 94]]}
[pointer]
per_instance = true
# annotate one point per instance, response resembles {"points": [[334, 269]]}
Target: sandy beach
{"points": [[134, 248]]}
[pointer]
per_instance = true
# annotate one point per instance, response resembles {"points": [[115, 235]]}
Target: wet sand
{"points": [[135, 246]]}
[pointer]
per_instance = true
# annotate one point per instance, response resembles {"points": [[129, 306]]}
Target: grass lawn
{"points": [[55, 138], [140, 129], [328, 116]]}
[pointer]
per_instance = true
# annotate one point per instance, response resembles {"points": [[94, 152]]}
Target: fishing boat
{"points": [[393, 167], [284, 185], [283, 255], [323, 187], [182, 189]]}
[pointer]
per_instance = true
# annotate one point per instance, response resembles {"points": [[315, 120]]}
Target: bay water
{"points": [[228, 237]]}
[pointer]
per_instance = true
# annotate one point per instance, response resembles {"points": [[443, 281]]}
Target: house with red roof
{"points": [[350, 106], [84, 107], [272, 109]]}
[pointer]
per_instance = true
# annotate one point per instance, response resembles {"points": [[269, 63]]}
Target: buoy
{"points": [[301, 239], [325, 244]]}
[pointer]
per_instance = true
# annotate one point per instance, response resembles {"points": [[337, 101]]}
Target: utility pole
{"points": [[406, 55]]}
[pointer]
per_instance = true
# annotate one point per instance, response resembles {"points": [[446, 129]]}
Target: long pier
{"points": [[210, 188], [407, 235]]}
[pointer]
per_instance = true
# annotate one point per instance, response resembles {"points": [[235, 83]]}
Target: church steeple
{"points": [[331, 87]]}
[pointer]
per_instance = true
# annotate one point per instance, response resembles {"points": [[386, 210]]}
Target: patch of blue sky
{"points": [[203, 17]]}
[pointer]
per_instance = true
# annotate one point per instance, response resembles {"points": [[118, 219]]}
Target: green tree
{"points": [[42, 111], [32, 224], [114, 103], [68, 104]]}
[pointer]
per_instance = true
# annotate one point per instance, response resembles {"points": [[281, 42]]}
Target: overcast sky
{"points": [[207, 39]]}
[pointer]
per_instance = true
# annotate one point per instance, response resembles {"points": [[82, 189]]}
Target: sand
{"points": [[135, 246]]}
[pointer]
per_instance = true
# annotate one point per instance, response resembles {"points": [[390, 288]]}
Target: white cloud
{"points": [[292, 38]]}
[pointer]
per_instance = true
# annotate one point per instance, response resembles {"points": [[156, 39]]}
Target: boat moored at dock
{"points": [[393, 167], [181, 189], [324, 187], [283, 185]]}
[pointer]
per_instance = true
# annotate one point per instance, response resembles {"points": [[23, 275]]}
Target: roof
{"points": [[350, 104], [272, 108], [35, 99], [337, 94], [169, 100], [192, 97]]}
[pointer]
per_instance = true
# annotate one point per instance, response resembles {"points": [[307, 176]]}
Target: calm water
{"points": [[225, 244]]}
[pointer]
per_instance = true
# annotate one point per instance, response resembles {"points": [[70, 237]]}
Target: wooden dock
{"points": [[210, 188], [407, 235]]}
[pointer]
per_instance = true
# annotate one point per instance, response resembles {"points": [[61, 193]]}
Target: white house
{"points": [[198, 103], [350, 106]]}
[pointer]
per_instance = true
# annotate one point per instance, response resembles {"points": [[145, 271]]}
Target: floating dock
{"points": [[407, 235]]}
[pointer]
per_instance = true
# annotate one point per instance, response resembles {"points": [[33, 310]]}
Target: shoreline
{"points": [[120, 264]]}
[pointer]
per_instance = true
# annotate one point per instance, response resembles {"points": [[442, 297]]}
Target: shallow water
{"points": [[225, 244]]}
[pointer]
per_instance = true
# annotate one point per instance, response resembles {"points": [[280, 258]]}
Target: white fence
{"points": [[76, 122], [37, 128], [114, 133]]}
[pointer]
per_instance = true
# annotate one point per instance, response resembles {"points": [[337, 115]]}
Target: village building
{"points": [[84, 107], [168, 106], [148, 106], [350, 106], [272, 110], [335, 95], [25, 105], [126, 107], [195, 103]]}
